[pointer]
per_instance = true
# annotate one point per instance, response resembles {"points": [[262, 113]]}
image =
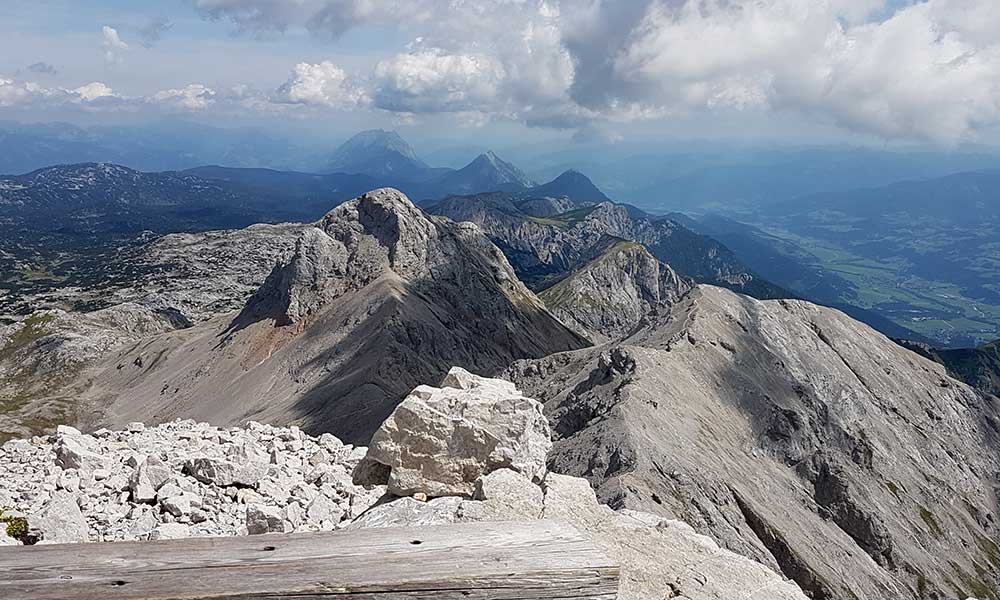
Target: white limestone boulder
{"points": [[439, 441]]}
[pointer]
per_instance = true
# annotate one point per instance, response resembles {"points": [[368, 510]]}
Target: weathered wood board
{"points": [[473, 561]]}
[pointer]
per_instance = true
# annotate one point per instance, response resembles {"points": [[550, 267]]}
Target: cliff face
{"points": [[792, 434], [614, 291]]}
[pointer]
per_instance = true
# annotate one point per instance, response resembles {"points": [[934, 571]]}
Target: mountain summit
{"points": [[487, 172], [376, 298], [571, 184], [378, 153]]}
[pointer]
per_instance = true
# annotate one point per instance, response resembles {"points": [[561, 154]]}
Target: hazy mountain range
{"points": [[909, 258]]}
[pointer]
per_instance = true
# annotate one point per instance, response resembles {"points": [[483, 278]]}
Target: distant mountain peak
{"points": [[574, 185], [379, 153], [487, 172], [381, 138]]}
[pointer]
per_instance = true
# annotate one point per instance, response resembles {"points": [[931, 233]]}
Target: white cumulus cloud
{"points": [[435, 81], [112, 44], [321, 84], [192, 97]]}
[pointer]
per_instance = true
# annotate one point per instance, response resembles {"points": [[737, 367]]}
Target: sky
{"points": [[901, 71]]}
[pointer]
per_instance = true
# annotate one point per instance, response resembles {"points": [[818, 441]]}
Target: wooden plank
{"points": [[473, 561]]}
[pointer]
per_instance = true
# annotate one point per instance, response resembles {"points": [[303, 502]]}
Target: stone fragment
{"points": [[504, 495], [265, 519], [72, 452], [407, 512], [181, 504], [170, 531], [244, 468], [147, 478], [323, 509], [61, 521]]}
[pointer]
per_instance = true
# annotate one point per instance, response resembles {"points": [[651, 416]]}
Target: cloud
{"points": [[927, 69], [151, 33], [112, 44], [92, 96], [42, 68], [99, 97], [93, 91], [435, 81], [321, 84], [193, 97]]}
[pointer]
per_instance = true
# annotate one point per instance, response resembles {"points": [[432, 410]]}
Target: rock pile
{"points": [[472, 450], [180, 479]]}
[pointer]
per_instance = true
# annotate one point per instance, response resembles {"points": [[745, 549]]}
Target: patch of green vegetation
{"points": [[942, 304], [17, 527], [548, 221], [932, 523], [39, 275], [990, 549], [32, 328], [921, 585], [19, 399], [894, 488]]}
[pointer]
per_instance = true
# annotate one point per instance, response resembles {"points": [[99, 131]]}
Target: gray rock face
{"points": [[543, 250], [439, 441], [791, 434], [615, 291], [377, 299], [504, 495], [659, 558]]}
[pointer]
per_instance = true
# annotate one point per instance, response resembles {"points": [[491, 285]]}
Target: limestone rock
{"points": [[244, 468], [143, 484], [61, 521], [265, 519], [439, 441], [170, 531], [72, 452], [148, 476], [616, 287], [504, 495], [407, 512]]}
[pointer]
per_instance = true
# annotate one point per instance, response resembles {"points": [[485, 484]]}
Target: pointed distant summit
{"points": [[378, 153], [487, 173], [575, 186]]}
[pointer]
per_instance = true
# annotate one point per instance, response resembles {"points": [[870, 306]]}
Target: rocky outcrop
{"points": [[612, 292], [544, 249], [439, 441], [376, 299], [790, 434]]}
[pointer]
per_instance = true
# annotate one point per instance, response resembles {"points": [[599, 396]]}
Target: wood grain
{"points": [[475, 561]]}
